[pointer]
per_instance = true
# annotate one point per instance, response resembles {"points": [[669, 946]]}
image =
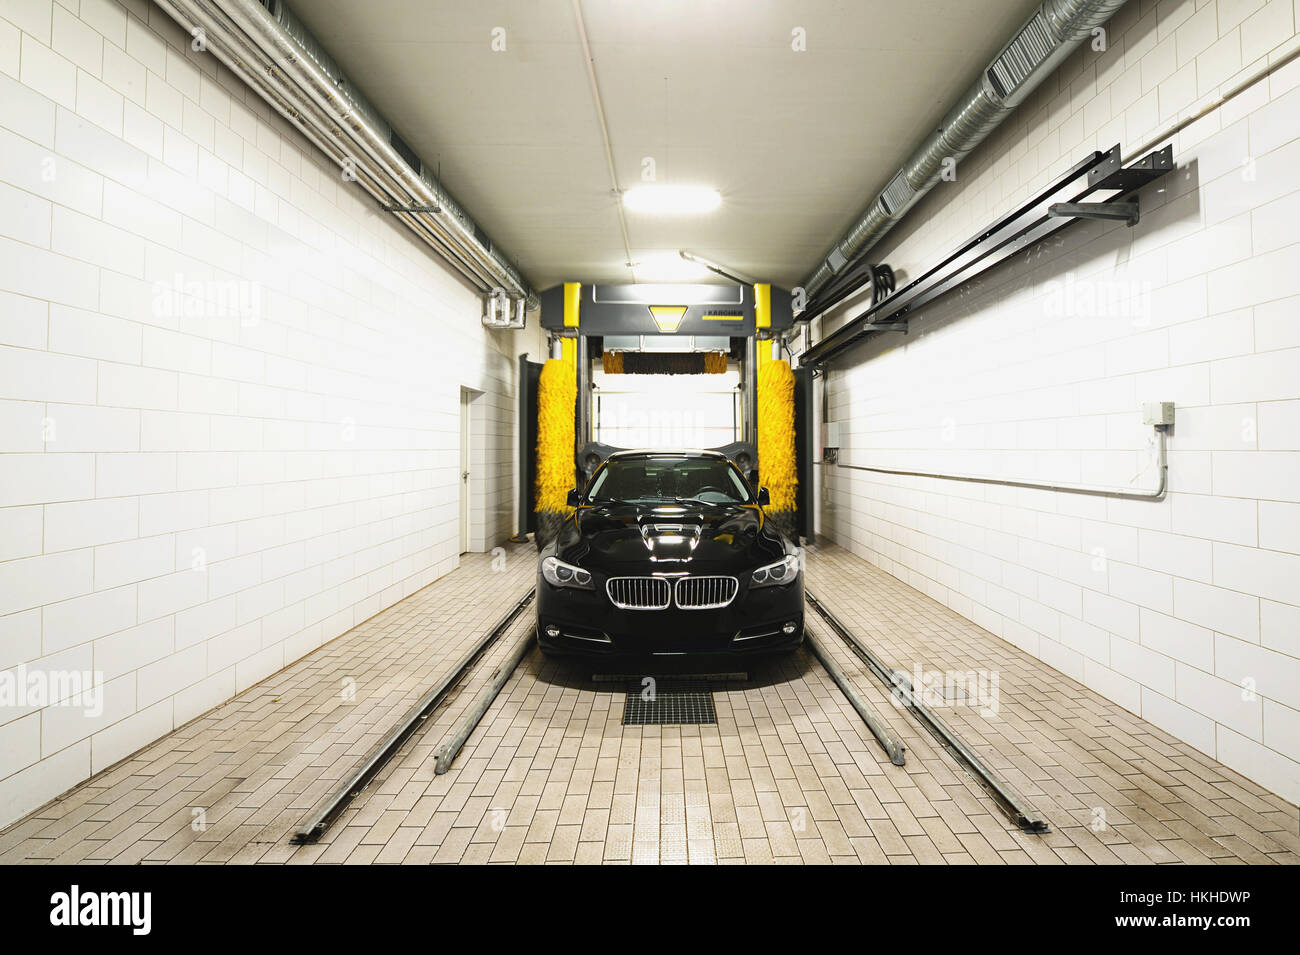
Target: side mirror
{"points": [[764, 498], [574, 497]]}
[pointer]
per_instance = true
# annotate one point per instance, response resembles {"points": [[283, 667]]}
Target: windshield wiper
{"points": [[698, 500], [611, 502]]}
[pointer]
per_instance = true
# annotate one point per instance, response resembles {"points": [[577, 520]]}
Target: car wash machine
{"points": [[745, 324]]}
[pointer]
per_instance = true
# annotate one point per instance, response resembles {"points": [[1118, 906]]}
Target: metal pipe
{"points": [[290, 56], [329, 808], [303, 88], [888, 741], [1153, 495], [250, 65], [583, 425], [1047, 38], [749, 385], [449, 750], [1024, 815], [715, 268]]}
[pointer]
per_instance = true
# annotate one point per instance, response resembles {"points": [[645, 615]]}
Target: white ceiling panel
{"points": [[796, 142]]}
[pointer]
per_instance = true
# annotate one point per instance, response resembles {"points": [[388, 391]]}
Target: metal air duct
{"points": [[1039, 46]]}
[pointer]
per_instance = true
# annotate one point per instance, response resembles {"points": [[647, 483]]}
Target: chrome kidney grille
{"points": [[639, 593], [705, 593], [656, 593]]}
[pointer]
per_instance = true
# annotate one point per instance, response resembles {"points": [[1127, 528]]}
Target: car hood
{"points": [[663, 537]]}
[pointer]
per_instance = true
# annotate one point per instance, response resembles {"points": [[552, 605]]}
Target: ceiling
{"points": [[796, 142]]}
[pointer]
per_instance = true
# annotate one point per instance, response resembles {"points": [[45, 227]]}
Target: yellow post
{"points": [[572, 296], [763, 321]]}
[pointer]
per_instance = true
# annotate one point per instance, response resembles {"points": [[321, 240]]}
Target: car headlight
{"points": [[560, 574], [782, 572]]}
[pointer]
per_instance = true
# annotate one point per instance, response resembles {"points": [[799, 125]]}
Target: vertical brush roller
{"points": [[557, 397], [776, 454], [774, 383], [557, 394]]}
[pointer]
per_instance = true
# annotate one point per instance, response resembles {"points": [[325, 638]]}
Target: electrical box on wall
{"points": [[1158, 413], [831, 442]]}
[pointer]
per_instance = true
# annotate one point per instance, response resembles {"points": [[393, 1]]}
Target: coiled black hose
{"points": [[882, 283]]}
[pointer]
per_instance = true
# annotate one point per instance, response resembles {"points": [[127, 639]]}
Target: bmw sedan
{"points": [[669, 554]]}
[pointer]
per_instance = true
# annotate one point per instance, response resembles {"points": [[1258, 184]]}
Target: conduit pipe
{"points": [[1152, 495], [242, 59], [301, 58], [237, 53], [279, 59]]}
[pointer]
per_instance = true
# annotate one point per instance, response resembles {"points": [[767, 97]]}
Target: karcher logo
{"points": [[667, 317]]}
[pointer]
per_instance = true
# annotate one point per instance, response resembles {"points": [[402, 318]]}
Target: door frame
{"points": [[463, 474]]}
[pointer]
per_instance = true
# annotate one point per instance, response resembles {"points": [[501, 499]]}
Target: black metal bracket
{"points": [[1126, 211], [393, 207], [1098, 176]]}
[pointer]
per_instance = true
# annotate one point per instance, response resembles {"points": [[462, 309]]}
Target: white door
{"points": [[464, 470]]}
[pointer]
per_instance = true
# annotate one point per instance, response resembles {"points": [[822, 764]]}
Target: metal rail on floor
{"points": [[888, 741], [448, 751], [1010, 799], [329, 809]]}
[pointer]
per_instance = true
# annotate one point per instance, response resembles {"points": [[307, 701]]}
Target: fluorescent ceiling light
{"points": [[668, 267], [671, 200]]}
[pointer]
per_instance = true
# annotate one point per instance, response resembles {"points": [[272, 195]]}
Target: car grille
{"points": [[656, 593], [705, 593], [638, 593]]}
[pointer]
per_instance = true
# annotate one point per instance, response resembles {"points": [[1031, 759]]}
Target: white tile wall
{"points": [[193, 494], [1186, 611]]}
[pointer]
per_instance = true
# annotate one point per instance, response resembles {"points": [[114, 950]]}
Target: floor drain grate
{"points": [[669, 706]]}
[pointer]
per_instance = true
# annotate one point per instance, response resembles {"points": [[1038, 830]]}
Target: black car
{"points": [[669, 554]]}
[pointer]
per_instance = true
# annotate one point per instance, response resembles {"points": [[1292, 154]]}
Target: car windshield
{"points": [[656, 480]]}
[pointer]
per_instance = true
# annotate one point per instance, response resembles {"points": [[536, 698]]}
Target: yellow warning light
{"points": [[667, 317]]}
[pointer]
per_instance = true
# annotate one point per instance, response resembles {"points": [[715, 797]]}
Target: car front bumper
{"points": [[586, 622]]}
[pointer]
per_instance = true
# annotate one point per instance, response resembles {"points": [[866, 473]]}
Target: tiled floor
{"points": [[1113, 787], [788, 773]]}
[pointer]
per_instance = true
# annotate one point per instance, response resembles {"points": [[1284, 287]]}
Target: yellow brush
{"points": [[557, 393], [776, 455]]}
